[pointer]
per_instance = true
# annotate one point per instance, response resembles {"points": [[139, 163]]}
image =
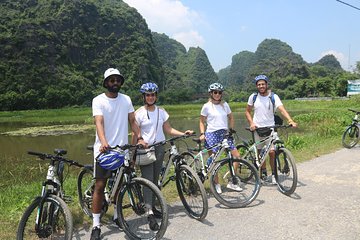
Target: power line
{"points": [[348, 4]]}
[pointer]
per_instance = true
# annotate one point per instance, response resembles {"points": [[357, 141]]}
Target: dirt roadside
{"points": [[326, 205]]}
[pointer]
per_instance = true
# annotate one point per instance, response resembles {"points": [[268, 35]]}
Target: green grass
{"points": [[50, 116], [321, 124]]}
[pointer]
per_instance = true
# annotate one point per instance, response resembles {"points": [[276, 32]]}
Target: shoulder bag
{"points": [[147, 156]]}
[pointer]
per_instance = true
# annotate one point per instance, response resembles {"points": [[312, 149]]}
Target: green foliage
{"points": [[330, 62], [296, 142], [290, 76], [53, 54]]}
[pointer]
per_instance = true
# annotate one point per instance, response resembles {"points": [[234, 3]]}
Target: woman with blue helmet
{"points": [[153, 122], [216, 115]]}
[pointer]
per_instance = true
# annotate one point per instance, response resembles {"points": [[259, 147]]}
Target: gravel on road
{"points": [[325, 205]]}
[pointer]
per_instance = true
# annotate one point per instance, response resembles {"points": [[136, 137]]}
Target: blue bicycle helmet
{"points": [[261, 77], [149, 88], [216, 87], [111, 160]]}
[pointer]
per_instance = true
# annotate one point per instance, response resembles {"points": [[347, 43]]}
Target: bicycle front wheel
{"points": [[286, 172], [230, 189], [191, 192], [54, 220], [133, 209], [85, 186], [351, 136]]}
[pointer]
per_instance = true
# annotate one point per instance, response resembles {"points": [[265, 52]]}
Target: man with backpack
{"points": [[265, 103]]}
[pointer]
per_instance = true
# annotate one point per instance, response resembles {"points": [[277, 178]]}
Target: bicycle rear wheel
{"points": [[195, 164], [231, 195], [351, 136], [191, 192], [133, 211], [286, 172], [247, 155], [85, 186], [55, 220], [242, 149]]}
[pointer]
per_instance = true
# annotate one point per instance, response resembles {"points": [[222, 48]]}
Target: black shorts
{"points": [[101, 173]]}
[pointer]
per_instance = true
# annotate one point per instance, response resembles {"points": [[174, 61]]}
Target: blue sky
{"points": [[313, 28]]}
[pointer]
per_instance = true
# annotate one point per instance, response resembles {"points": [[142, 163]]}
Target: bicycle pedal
{"points": [[172, 178], [67, 199]]}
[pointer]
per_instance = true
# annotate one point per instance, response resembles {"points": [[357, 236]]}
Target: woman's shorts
{"points": [[215, 137]]}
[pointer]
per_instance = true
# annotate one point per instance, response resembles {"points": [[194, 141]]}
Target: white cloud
{"points": [[189, 39], [339, 56], [243, 28], [172, 18]]}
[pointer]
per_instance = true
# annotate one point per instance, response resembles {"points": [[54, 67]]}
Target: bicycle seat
{"points": [[59, 151], [197, 140]]}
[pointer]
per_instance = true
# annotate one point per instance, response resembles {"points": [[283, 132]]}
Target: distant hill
{"points": [[53, 54], [187, 73], [290, 75]]}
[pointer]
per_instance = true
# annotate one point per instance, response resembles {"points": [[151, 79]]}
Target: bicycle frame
{"points": [[172, 160], [351, 135], [355, 120], [122, 175], [223, 147], [269, 141], [53, 185]]}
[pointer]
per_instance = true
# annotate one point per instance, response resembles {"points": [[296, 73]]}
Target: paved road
{"points": [[326, 205]]}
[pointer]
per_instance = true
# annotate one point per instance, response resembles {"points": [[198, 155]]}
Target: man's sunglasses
{"points": [[113, 80], [217, 92], [150, 94]]}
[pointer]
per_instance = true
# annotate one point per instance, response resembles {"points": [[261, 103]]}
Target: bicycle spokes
{"points": [[136, 200]]}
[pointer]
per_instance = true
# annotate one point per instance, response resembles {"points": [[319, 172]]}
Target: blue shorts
{"points": [[213, 138]]}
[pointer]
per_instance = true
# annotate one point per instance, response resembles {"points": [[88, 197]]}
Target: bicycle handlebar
{"points": [[44, 156], [356, 112], [267, 127], [178, 137], [140, 146]]}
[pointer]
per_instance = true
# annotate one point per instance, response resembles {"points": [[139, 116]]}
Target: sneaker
{"points": [[234, 187], [152, 223], [218, 188], [263, 176], [273, 180], [157, 213], [95, 233]]}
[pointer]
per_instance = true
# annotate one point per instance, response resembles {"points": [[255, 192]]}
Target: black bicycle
{"points": [[189, 186], [126, 190], [48, 216], [351, 134]]}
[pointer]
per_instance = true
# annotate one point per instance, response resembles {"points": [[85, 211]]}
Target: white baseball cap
{"points": [[112, 71]]}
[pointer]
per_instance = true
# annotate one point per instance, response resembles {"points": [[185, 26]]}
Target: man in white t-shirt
{"points": [[112, 112], [264, 110]]}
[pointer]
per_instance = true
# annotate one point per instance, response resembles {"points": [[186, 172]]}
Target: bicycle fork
{"points": [[135, 195]]}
